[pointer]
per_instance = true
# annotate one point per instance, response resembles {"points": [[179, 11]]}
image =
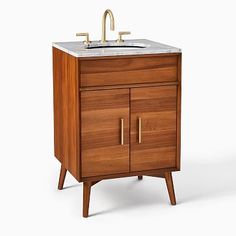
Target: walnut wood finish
{"points": [[86, 197], [66, 111], [87, 190], [98, 88], [156, 106], [178, 114], [130, 174], [161, 55], [101, 114], [62, 177], [170, 187], [91, 95], [127, 63], [128, 71]]}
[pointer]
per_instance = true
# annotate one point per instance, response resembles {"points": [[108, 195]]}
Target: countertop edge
{"points": [[55, 45], [126, 53]]}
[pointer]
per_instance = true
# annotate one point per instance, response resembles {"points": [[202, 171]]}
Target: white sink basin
{"points": [[117, 46], [112, 48]]}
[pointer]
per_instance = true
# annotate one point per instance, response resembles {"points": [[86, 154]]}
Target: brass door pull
{"points": [[122, 131], [139, 130]]}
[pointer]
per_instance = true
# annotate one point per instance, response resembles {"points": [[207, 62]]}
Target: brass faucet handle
{"points": [[119, 40], [86, 35]]}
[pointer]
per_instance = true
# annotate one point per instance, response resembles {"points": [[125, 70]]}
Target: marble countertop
{"points": [[130, 47]]}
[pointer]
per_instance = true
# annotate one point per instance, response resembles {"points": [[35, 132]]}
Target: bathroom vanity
{"points": [[117, 111]]}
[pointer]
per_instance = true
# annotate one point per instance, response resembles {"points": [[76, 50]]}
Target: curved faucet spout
{"points": [[112, 24]]}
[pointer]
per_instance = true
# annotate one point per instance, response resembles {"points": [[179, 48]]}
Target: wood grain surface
{"points": [[156, 106], [102, 152], [178, 115], [116, 87], [91, 97], [128, 70], [66, 110]]}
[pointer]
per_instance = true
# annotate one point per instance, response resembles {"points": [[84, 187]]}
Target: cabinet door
{"points": [[153, 128], [105, 132]]}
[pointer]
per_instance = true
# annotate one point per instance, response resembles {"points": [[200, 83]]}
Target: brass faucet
{"points": [[112, 24], [86, 37]]}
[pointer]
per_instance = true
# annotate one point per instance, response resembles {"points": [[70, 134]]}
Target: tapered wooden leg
{"points": [[170, 187], [140, 177], [62, 177], [86, 197]]}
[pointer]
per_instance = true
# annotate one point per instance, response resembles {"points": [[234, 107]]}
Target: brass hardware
{"points": [[122, 131], [86, 37], [112, 24], [120, 40], [139, 130]]}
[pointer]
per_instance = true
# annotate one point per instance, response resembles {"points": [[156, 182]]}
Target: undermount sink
{"points": [[116, 46], [112, 48]]}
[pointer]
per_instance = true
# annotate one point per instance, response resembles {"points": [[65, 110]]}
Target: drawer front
{"points": [[134, 70]]}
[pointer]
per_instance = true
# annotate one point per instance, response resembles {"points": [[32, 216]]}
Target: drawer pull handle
{"points": [[139, 130], [122, 131]]}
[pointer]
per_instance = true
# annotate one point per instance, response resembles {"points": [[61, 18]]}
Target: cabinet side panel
{"points": [[66, 110], [179, 112], [72, 106], [57, 103]]}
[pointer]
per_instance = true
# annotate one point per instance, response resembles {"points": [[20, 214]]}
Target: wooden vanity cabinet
{"points": [[117, 117]]}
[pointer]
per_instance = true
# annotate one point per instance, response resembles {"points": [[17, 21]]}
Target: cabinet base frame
{"points": [[167, 175]]}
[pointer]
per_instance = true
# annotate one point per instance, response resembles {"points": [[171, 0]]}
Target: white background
{"points": [[30, 203]]}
